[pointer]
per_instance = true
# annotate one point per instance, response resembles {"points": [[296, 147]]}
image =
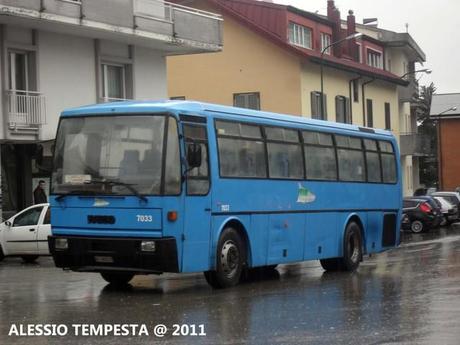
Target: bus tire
{"points": [[231, 258], [352, 248], [29, 259], [117, 278], [330, 265], [2, 255]]}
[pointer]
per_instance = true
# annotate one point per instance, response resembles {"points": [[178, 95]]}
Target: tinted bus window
{"points": [[389, 168], [284, 155], [372, 161], [172, 166], [241, 154], [351, 165], [198, 178], [320, 162]]}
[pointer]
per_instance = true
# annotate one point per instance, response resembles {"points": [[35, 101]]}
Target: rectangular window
{"points": [[241, 150], [372, 161], [197, 178], [355, 90], [342, 109], [370, 113], [360, 53], [318, 112], [284, 153], [249, 100], [389, 172], [320, 160], [18, 71], [325, 42], [351, 158], [374, 58], [300, 35], [172, 166], [177, 98], [114, 82], [387, 117]]}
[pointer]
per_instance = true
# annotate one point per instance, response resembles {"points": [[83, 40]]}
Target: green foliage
{"points": [[427, 127]]}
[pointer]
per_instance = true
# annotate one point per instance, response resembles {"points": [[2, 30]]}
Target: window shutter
{"points": [[314, 105], [324, 116], [347, 111]]}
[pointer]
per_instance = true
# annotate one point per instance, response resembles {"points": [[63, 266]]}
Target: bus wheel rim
{"points": [[353, 248], [230, 258]]}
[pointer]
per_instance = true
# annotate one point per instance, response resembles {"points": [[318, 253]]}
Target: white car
{"points": [[449, 211], [26, 233]]}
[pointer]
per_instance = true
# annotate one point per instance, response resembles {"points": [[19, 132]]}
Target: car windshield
{"points": [[109, 155]]}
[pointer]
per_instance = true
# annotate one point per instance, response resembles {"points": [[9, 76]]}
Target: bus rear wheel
{"points": [[352, 251], [231, 258], [117, 278]]}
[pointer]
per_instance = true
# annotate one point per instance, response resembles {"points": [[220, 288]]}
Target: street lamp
{"points": [[425, 70], [350, 37], [438, 118]]}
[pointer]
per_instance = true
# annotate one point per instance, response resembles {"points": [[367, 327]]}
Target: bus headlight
{"points": [[61, 244], [148, 246]]}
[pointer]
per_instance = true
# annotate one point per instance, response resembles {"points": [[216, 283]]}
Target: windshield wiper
{"points": [[74, 192], [128, 186]]}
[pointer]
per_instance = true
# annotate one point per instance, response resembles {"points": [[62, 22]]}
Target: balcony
{"points": [[26, 110], [416, 145], [410, 92], [157, 24]]}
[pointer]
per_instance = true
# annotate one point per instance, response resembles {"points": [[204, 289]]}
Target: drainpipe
{"points": [[364, 100], [350, 84]]}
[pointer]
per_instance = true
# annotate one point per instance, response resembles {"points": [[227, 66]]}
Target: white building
{"points": [[57, 54]]}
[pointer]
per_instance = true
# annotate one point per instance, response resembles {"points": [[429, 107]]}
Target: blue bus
{"points": [[182, 186]]}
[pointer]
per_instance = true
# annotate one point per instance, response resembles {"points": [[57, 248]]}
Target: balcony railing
{"points": [[148, 19], [26, 109], [416, 144]]}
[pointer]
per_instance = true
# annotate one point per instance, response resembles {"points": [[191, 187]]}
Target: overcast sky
{"points": [[433, 24]]}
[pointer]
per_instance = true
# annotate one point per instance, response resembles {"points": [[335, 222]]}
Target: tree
{"points": [[427, 128]]}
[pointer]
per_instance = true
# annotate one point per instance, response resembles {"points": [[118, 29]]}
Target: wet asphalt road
{"points": [[410, 295]]}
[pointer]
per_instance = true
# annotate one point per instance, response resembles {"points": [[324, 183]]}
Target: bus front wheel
{"points": [[117, 278], [352, 251], [231, 257]]}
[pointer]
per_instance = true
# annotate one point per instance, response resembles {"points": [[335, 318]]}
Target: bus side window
{"points": [[198, 178]]}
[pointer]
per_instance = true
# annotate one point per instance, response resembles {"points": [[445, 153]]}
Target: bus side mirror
{"points": [[193, 155]]}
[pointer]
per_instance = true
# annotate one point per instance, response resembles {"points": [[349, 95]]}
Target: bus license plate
{"points": [[104, 259]]}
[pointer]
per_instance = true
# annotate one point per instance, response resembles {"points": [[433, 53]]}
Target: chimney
{"points": [[333, 14], [351, 29]]}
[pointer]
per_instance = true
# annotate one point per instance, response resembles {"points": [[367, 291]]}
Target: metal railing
{"points": [[164, 10], [26, 108], [416, 144]]}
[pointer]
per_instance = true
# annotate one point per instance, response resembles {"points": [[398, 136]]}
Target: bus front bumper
{"points": [[96, 254]]}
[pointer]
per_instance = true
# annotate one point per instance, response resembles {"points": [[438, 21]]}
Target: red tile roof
{"points": [[269, 20]]}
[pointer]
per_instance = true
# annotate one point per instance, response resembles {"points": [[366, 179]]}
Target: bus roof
{"points": [[200, 108]]}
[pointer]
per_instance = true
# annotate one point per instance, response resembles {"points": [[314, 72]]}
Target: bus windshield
{"points": [[119, 155]]}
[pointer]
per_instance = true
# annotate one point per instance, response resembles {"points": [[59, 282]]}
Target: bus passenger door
{"points": [[195, 252]]}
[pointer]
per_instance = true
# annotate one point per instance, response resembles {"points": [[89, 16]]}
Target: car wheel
{"points": [[29, 259], [231, 258], [117, 278], [2, 255], [417, 226]]}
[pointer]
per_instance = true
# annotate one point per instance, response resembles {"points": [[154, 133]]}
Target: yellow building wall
{"points": [[336, 83], [248, 63]]}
